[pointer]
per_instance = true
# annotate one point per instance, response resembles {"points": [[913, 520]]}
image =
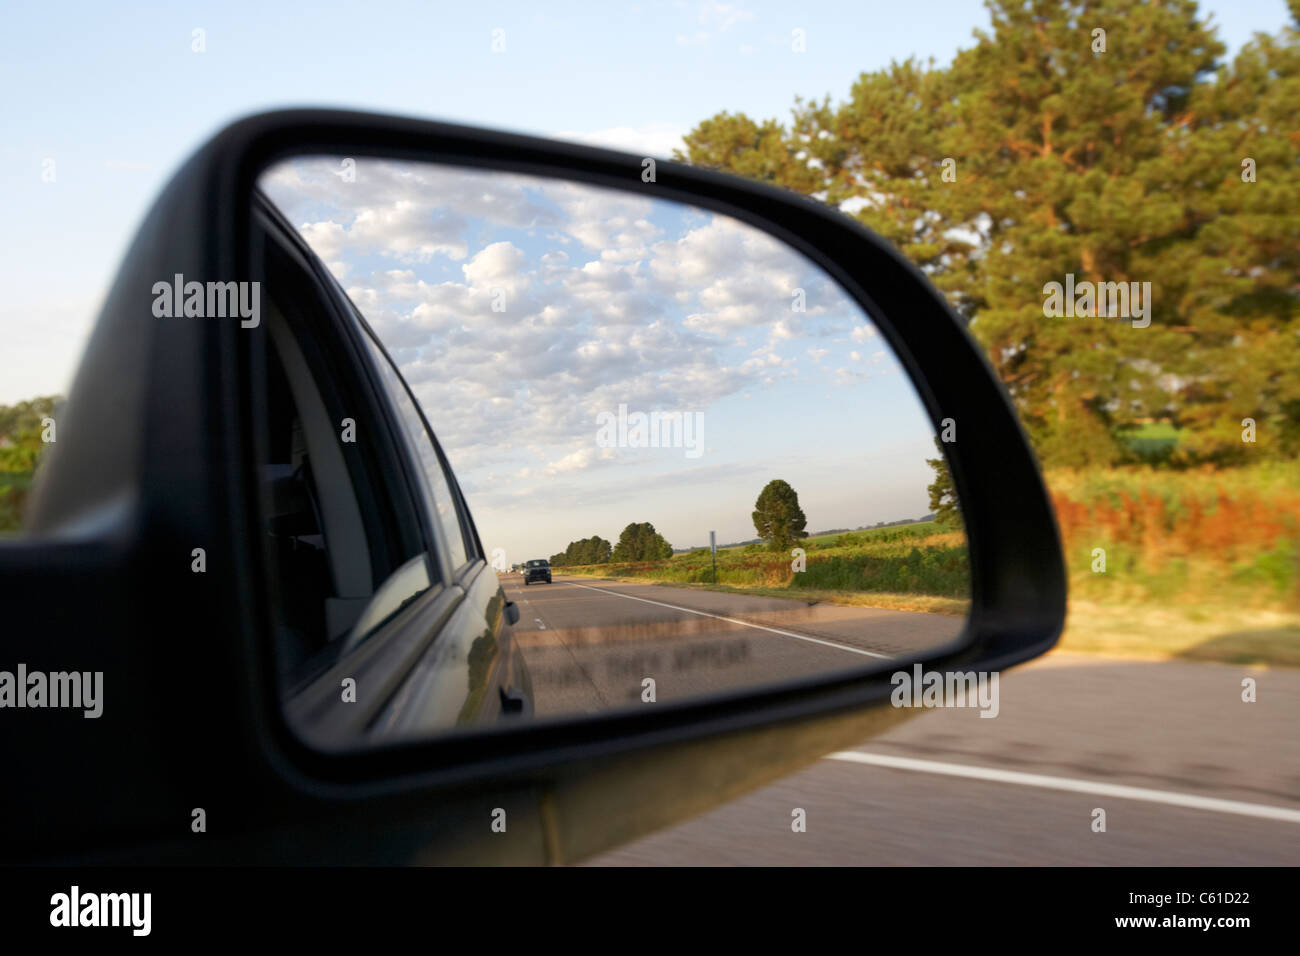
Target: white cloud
{"points": [[603, 306], [497, 264], [741, 276]]}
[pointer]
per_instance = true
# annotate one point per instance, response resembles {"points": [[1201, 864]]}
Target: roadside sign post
{"points": [[713, 547]]}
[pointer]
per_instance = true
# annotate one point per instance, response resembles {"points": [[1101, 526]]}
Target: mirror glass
{"points": [[665, 445]]}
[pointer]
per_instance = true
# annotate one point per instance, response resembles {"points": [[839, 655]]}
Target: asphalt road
{"points": [[591, 644], [1215, 781], [1184, 770]]}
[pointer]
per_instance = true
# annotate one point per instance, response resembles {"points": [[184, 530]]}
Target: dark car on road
{"points": [[537, 570]]}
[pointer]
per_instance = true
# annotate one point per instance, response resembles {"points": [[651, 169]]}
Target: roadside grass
{"points": [[916, 529], [1189, 632]]}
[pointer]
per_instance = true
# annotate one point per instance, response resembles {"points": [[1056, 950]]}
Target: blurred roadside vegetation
{"points": [[20, 451], [1199, 563]]}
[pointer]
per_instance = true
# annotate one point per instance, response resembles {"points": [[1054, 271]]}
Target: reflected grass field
{"points": [[920, 559]]}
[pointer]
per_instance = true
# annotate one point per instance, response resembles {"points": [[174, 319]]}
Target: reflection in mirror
{"points": [[666, 456]]}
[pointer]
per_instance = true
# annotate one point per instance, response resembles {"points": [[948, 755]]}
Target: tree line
{"points": [[777, 517], [639, 541]]}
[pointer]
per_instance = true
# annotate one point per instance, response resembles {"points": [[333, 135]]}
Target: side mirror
{"points": [[158, 463]]}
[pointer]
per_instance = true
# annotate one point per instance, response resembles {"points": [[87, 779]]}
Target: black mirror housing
{"points": [[153, 462]]}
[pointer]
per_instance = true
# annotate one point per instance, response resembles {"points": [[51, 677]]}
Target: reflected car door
{"points": [[474, 671]]}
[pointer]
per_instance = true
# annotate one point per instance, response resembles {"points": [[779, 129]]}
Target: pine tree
{"points": [[1049, 149]]}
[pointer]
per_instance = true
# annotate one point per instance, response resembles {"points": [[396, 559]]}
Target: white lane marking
{"points": [[732, 620], [1119, 791]]}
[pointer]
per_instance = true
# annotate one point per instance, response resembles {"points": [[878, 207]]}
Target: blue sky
{"points": [[521, 311]]}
